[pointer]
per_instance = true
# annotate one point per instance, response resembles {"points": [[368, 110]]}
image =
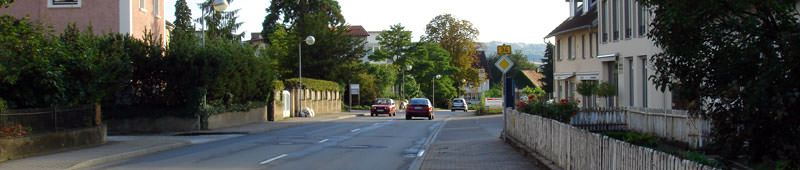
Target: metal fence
{"points": [[42, 120]]}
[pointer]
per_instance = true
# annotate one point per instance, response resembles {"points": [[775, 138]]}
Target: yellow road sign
{"points": [[504, 64], [503, 49]]}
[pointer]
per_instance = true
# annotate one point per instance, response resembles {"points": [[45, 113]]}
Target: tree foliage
{"points": [[429, 60], [183, 17], [220, 24], [335, 51], [458, 37], [737, 62], [394, 43], [5, 3], [547, 68]]}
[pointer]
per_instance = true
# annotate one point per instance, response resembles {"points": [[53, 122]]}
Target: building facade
{"points": [[625, 53], [105, 16], [575, 54]]}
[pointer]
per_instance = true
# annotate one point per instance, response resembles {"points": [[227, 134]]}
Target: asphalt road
{"points": [[357, 143]]}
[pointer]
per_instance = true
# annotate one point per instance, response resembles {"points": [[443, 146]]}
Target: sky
{"points": [[525, 21]]}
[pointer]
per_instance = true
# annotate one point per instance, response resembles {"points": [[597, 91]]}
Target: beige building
{"points": [[576, 50], [625, 53], [119, 16]]}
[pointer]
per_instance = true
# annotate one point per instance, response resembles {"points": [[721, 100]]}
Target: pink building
{"points": [[120, 16]]}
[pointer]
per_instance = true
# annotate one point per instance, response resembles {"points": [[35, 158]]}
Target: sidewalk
{"points": [[472, 142], [125, 147]]}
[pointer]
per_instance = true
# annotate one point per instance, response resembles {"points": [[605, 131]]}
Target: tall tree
{"points": [[458, 37], [737, 63], [183, 17], [335, 51], [221, 24], [394, 43], [429, 60], [547, 68]]}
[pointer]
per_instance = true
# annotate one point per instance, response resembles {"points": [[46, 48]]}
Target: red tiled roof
{"points": [[357, 30], [534, 76]]}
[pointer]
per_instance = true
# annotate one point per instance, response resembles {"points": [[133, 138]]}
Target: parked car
{"points": [[459, 104], [419, 107], [383, 106]]}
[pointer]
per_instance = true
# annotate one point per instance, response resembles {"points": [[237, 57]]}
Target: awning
{"points": [[562, 77], [608, 57]]}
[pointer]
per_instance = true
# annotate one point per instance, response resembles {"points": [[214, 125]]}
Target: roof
{"points": [[357, 30], [534, 76], [579, 21]]}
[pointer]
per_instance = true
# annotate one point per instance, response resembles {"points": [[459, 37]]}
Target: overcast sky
{"points": [[526, 21]]}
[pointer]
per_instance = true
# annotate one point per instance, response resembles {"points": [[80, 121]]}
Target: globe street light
{"points": [[403, 90], [218, 6], [310, 41], [433, 92]]}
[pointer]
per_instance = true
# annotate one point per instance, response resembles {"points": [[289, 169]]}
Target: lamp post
{"points": [[433, 91], [310, 41], [461, 87], [218, 5], [403, 89]]}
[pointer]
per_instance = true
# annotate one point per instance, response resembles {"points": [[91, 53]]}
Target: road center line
{"points": [[272, 159], [354, 130], [322, 140]]}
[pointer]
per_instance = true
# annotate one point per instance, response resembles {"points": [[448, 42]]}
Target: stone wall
{"points": [[152, 125], [16, 148], [323, 102], [229, 119]]}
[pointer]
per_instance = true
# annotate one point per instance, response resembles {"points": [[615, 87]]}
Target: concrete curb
{"points": [[126, 155], [417, 163]]}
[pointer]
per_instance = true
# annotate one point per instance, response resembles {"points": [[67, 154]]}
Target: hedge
{"points": [[315, 84]]}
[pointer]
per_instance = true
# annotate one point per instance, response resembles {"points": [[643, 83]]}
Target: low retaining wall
{"points": [[573, 148], [16, 148], [176, 124], [229, 119]]}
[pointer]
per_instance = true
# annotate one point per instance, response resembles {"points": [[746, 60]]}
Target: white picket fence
{"points": [[675, 125], [573, 148]]}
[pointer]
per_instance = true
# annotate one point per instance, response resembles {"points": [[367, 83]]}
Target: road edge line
{"points": [[417, 163]]}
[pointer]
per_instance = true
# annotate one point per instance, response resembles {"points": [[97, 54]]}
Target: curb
{"points": [[126, 155], [417, 163]]}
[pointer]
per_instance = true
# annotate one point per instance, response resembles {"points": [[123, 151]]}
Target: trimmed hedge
{"points": [[315, 84]]}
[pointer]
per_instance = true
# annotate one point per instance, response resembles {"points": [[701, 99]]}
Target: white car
{"points": [[459, 104]]}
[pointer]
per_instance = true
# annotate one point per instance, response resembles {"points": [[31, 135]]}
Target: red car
{"points": [[419, 107], [383, 106]]}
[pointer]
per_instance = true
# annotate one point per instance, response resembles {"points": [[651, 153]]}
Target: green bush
{"points": [[315, 84], [561, 111]]}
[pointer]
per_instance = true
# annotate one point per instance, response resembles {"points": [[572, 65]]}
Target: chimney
{"points": [[586, 5], [571, 8]]}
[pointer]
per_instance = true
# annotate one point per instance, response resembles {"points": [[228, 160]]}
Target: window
{"points": [[630, 82], [596, 41], [614, 24], [590, 45], [64, 3], [644, 81], [640, 19], [155, 7], [569, 48], [141, 6], [558, 84], [558, 50], [627, 18], [603, 21], [583, 46]]}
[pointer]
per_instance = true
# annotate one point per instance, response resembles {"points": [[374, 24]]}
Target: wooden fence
{"points": [[573, 148], [675, 125]]}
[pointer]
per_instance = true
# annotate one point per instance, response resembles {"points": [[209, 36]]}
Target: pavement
{"points": [[125, 147], [472, 142]]}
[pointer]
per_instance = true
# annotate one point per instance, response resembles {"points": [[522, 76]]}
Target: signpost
{"points": [[504, 64], [353, 90]]}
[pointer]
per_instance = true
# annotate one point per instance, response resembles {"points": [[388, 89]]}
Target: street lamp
{"points": [[463, 81], [433, 92], [403, 89], [310, 41], [218, 5]]}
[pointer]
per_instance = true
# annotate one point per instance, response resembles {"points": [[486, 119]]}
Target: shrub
{"points": [[561, 111], [12, 130]]}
